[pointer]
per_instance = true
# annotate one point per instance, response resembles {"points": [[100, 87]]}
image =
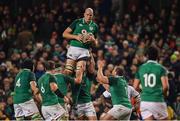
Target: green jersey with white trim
{"points": [[48, 96], [150, 74], [22, 90], [119, 91], [79, 26]]}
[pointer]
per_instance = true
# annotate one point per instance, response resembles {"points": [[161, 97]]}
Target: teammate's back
{"points": [[22, 86], [46, 93], [154, 82], [150, 75]]}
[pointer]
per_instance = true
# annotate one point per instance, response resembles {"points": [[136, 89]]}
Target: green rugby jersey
{"points": [[81, 92], [119, 91], [79, 26], [62, 82], [48, 96], [22, 89], [150, 74]]}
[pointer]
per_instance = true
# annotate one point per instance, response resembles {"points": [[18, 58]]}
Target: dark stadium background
{"points": [[33, 28]]}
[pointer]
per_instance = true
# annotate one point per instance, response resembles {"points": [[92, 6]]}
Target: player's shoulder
{"points": [[95, 24], [112, 77], [42, 77], [58, 74], [26, 71], [159, 65], [148, 63], [45, 75], [76, 21], [79, 20], [164, 68]]}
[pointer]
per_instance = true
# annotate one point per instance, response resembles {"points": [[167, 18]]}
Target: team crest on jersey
{"points": [[91, 28], [83, 31]]}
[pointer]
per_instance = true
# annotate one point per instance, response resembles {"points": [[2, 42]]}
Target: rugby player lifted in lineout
{"points": [[82, 34]]}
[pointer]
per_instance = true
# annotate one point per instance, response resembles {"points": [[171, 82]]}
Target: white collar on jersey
{"points": [[26, 69], [152, 61], [118, 76], [87, 23]]}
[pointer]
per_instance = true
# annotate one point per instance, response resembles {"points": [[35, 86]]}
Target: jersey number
{"points": [[149, 80], [18, 84], [42, 89]]}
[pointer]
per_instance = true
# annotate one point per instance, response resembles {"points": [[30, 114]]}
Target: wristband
{"points": [[59, 93]]}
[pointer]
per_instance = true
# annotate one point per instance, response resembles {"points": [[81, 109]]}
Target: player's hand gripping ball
{"points": [[86, 38]]}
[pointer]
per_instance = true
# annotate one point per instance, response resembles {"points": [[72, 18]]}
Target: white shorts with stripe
{"points": [[85, 109], [53, 112], [27, 108], [76, 53], [156, 109], [120, 112]]}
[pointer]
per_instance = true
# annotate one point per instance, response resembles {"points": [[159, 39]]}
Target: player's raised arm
{"points": [[136, 84], [100, 76], [165, 85]]}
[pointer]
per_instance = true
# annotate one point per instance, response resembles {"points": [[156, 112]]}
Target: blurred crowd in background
{"points": [[126, 29]]}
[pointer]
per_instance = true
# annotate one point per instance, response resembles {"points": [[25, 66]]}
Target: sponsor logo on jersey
{"points": [[91, 28], [83, 31]]}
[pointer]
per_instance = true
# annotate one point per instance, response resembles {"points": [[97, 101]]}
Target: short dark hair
{"points": [[28, 64], [152, 53], [119, 70], [49, 65]]}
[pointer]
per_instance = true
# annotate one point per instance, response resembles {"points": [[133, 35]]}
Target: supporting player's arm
{"points": [[54, 88], [91, 65], [96, 42], [165, 84], [106, 86], [100, 76], [35, 91], [136, 96], [136, 84]]}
